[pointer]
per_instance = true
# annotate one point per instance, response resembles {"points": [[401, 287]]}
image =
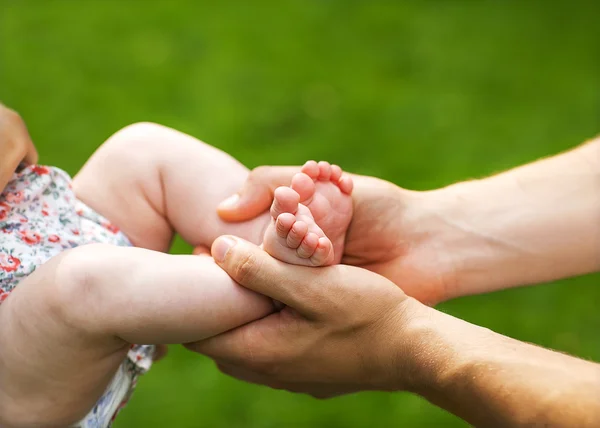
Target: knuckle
{"points": [[246, 268]]}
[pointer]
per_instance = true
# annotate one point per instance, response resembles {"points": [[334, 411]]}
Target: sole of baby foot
{"points": [[326, 191], [293, 235]]}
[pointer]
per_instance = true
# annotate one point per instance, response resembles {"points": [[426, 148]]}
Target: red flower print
{"points": [[45, 213], [3, 295], [75, 232], [53, 238], [110, 227], [40, 170], [79, 212], [4, 209], [23, 220], [29, 237], [9, 263], [15, 197]]}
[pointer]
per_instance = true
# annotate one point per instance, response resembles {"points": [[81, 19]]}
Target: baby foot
{"points": [[310, 218]]}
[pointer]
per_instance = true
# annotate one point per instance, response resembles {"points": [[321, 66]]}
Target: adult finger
{"points": [[251, 267], [8, 165], [254, 346], [31, 155], [256, 194], [15, 144], [248, 376], [321, 390]]}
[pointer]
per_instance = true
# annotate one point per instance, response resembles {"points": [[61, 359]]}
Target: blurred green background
{"points": [[419, 93]]}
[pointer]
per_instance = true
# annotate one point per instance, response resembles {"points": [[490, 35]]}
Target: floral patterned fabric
{"points": [[39, 218]]}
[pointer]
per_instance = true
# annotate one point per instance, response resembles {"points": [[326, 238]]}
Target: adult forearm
{"points": [[536, 223], [494, 381]]}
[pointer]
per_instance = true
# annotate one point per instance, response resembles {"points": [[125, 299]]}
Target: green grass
{"points": [[419, 93]]}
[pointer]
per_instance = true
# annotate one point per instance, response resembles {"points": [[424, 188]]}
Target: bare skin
{"points": [[429, 242], [456, 368], [151, 182], [345, 329], [15, 144], [319, 195]]}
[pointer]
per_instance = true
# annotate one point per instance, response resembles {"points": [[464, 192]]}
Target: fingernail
{"points": [[221, 247], [230, 202]]}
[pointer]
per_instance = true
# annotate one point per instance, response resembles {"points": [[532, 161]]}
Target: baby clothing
{"points": [[39, 218]]}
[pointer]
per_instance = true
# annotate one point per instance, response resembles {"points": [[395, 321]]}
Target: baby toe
{"points": [[284, 224], [336, 173], [346, 184], [308, 245], [304, 186], [311, 168], [285, 200], [297, 234], [323, 253], [324, 170]]}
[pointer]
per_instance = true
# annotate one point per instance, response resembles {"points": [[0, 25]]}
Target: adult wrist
{"points": [[424, 353], [440, 352], [492, 380], [476, 232]]}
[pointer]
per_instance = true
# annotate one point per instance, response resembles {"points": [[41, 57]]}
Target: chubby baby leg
{"points": [[144, 296], [152, 181], [70, 323]]}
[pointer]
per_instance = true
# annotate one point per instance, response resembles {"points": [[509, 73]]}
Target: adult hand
{"points": [[532, 224], [15, 144], [346, 329], [340, 332], [395, 232]]}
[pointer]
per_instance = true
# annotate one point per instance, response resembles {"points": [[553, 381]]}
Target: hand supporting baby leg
{"points": [[84, 307]]}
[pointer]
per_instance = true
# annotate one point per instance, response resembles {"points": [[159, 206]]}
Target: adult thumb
{"points": [[253, 268], [256, 195]]}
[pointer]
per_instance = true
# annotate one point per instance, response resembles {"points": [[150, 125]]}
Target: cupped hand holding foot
{"points": [[390, 229], [540, 225], [345, 329]]}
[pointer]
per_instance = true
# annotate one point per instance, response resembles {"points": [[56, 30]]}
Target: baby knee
{"points": [[141, 133], [137, 147], [143, 130]]}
